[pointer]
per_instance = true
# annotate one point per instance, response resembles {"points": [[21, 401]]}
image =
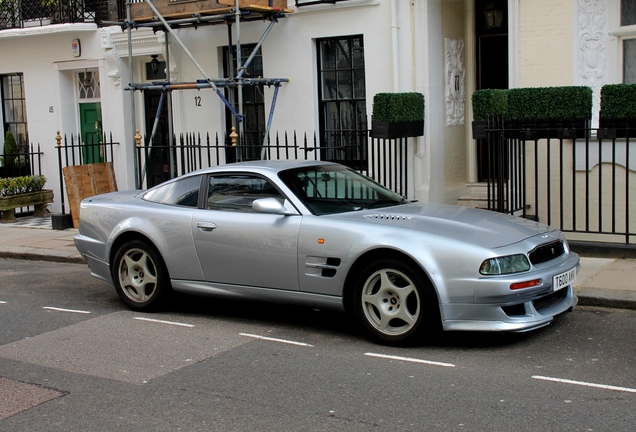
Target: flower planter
{"points": [[392, 130], [480, 128], [624, 127], [39, 200]]}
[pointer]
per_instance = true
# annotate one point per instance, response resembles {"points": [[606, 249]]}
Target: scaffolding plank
{"points": [[84, 181], [171, 9]]}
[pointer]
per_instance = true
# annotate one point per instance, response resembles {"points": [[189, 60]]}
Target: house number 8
{"points": [[197, 101]]}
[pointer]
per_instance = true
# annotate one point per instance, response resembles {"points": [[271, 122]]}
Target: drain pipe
{"points": [[395, 45]]}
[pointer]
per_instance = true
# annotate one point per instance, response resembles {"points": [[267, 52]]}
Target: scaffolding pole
{"points": [[215, 84]]}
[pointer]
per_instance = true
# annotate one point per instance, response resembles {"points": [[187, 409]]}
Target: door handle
{"points": [[206, 226]]}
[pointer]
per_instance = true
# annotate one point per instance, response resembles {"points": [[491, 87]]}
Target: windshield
{"points": [[333, 189]]}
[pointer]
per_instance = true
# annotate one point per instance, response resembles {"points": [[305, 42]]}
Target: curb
{"points": [[30, 256]]}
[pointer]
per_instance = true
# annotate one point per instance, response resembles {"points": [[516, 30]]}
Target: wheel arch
{"points": [[127, 236], [374, 255]]}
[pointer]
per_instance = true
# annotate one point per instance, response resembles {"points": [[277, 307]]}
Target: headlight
{"points": [[505, 265]]}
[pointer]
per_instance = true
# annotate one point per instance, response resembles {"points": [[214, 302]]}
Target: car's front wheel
{"points": [[140, 277], [394, 303]]}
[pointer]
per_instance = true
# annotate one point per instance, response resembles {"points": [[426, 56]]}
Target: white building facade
{"points": [[72, 76]]}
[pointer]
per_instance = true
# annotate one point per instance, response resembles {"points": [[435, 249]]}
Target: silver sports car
{"points": [[320, 234]]}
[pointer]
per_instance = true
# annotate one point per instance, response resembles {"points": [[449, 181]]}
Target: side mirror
{"points": [[271, 206]]}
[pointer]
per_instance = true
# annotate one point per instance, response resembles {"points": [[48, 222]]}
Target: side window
{"points": [[182, 192], [237, 192]]}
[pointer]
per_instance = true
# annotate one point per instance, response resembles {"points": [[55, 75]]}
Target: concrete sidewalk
{"points": [[604, 282]]}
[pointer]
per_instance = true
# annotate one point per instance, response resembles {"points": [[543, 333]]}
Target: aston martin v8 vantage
{"points": [[323, 235]]}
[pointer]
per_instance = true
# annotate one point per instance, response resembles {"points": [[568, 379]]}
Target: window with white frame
{"points": [[628, 24]]}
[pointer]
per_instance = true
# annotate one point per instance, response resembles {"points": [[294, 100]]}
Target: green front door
{"points": [[91, 132]]}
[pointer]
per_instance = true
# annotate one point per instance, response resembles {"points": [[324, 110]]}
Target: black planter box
{"points": [[479, 129], [624, 127], [61, 221], [386, 130]]}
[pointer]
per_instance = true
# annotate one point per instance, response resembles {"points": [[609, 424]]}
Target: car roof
{"points": [[274, 166]]}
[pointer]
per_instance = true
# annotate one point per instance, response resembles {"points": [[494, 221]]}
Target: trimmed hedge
{"points": [[550, 103], [489, 103], [398, 107], [618, 101], [534, 103]]}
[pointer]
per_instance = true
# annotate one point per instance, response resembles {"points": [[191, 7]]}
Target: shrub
{"points": [[618, 101], [489, 103], [24, 184], [398, 107], [550, 103]]}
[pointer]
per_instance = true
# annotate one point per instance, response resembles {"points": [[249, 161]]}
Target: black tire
{"points": [[395, 304], [140, 276]]}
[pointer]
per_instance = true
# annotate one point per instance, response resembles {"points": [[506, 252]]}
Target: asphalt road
{"points": [[73, 358]]}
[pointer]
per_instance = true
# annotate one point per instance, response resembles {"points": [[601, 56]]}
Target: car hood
{"points": [[480, 227]]}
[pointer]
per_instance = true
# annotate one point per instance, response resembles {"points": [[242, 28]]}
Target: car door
{"points": [[240, 247]]}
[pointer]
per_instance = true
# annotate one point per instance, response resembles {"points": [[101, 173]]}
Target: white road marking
{"points": [[163, 322], [275, 340], [66, 310], [581, 383], [408, 359]]}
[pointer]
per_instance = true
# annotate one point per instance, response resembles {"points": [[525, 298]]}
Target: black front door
{"points": [[157, 156]]}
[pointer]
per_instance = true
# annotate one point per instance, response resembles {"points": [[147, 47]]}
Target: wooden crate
{"points": [[84, 181]]}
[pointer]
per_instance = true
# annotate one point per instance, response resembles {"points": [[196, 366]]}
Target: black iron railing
{"points": [[33, 13], [578, 180], [385, 161], [72, 151]]}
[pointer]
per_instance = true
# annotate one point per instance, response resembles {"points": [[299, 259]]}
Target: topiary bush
{"points": [[489, 103], [397, 115], [550, 103], [618, 101]]}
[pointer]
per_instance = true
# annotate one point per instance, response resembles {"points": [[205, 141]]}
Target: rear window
{"points": [[182, 192]]}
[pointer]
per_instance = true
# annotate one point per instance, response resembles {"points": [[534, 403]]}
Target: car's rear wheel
{"points": [[394, 303], [140, 276]]}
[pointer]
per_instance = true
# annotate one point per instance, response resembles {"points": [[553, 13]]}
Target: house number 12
{"points": [[197, 101]]}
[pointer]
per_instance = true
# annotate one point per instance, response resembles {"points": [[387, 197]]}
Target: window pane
{"points": [[329, 84], [328, 55], [331, 116], [345, 85], [629, 61], [344, 55], [358, 53], [359, 89], [628, 12], [183, 192]]}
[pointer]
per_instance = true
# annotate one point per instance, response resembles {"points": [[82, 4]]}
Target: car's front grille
{"points": [[550, 299], [547, 252]]}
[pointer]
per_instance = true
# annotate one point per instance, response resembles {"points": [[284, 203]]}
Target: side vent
{"points": [[326, 267]]}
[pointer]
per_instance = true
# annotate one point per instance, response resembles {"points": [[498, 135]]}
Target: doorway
{"points": [[491, 36], [157, 154], [91, 132]]}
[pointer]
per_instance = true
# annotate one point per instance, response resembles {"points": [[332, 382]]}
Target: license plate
{"points": [[564, 279]]}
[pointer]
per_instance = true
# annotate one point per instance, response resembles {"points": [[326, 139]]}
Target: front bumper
{"points": [[497, 308]]}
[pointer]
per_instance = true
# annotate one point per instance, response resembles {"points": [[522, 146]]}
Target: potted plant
{"points": [[618, 110], [489, 108], [543, 111], [397, 115], [25, 191]]}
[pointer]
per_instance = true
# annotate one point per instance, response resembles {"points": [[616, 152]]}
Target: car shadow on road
{"points": [[334, 322]]}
